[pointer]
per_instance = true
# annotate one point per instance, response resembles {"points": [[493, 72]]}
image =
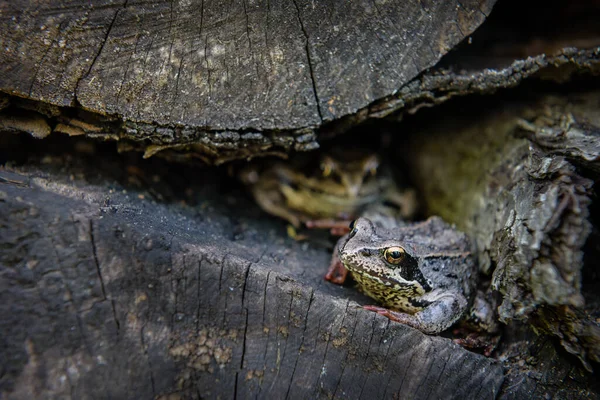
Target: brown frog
{"points": [[328, 191], [423, 274]]}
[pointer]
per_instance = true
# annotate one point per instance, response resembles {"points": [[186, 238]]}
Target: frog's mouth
{"points": [[413, 287], [315, 202]]}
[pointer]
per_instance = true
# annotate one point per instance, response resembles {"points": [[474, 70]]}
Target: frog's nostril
{"points": [[365, 253]]}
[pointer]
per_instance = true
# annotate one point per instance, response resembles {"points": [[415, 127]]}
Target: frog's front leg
{"points": [[271, 202], [437, 315], [337, 273], [337, 227]]}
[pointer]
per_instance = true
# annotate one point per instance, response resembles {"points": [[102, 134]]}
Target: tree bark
{"points": [[513, 178]]}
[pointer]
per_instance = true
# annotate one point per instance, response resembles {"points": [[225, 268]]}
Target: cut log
{"points": [[245, 65], [199, 80], [106, 295]]}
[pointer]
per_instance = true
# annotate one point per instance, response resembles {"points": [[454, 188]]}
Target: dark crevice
{"points": [[246, 273], [235, 385], [244, 340], [97, 263], [114, 310], [145, 347], [541, 26]]}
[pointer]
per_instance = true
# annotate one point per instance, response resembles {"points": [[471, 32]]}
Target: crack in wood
{"points": [[199, 304], [149, 363], [95, 258], [310, 300], [350, 351], [366, 359], [41, 62], [104, 41], [327, 341], [309, 61]]}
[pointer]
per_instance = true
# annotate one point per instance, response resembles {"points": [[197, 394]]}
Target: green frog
{"points": [[329, 190], [423, 274]]}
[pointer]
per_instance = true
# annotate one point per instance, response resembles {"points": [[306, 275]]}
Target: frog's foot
{"points": [[474, 340], [395, 316], [436, 317], [337, 227], [293, 234], [407, 319]]}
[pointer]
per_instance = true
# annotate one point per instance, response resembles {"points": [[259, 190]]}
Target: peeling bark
{"points": [[512, 179]]}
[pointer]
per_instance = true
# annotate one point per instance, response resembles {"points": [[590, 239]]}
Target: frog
{"points": [[329, 189], [423, 274]]}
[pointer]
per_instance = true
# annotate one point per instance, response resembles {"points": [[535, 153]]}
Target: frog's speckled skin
{"points": [[430, 288], [320, 190]]}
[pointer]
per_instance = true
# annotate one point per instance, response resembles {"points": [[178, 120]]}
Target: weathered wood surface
{"points": [[441, 84], [515, 43], [517, 178], [219, 82], [104, 295], [537, 368], [225, 66], [215, 81], [185, 144]]}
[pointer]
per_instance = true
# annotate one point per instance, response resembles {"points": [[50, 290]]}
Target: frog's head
{"points": [[351, 171], [383, 260]]}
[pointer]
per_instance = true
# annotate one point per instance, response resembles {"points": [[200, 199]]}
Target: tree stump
{"points": [[107, 295]]}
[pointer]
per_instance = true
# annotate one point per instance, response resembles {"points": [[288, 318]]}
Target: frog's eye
{"points": [[394, 255], [371, 165], [326, 168]]}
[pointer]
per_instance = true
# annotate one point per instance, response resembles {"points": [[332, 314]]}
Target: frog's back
{"points": [[445, 255]]}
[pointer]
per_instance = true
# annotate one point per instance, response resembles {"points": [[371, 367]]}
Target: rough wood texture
{"points": [[180, 143], [538, 368], [104, 295], [443, 83], [512, 178], [241, 65], [204, 80]]}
